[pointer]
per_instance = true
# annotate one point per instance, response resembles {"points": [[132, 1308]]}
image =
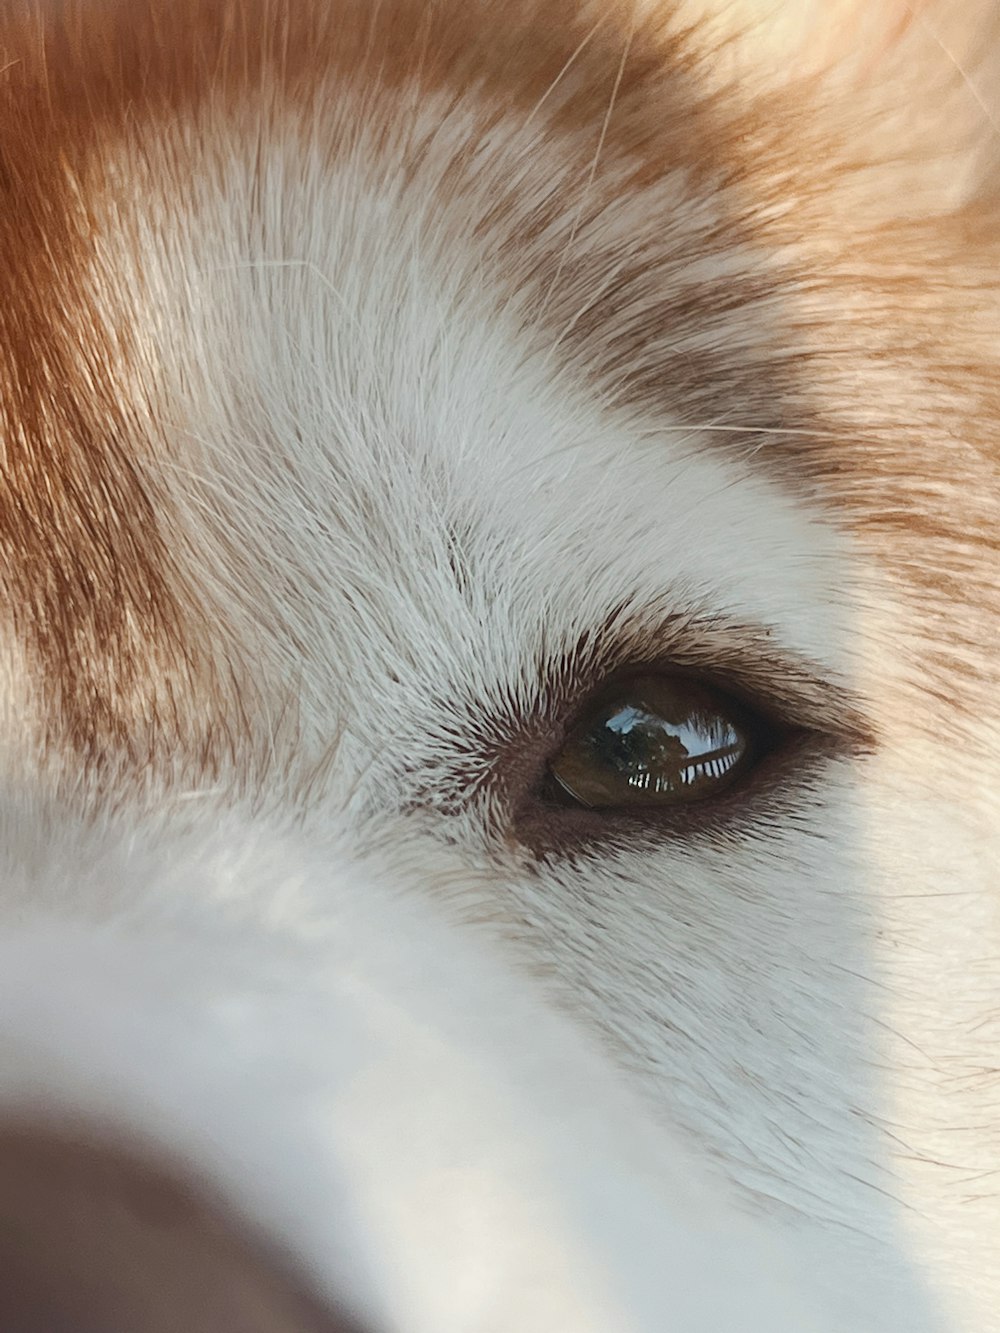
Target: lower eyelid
{"points": [[776, 788]]}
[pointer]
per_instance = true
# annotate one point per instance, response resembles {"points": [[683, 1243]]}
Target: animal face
{"points": [[542, 459]]}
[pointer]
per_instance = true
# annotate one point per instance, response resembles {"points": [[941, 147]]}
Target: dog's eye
{"points": [[654, 741]]}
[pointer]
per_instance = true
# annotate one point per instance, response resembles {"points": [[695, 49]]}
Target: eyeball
{"points": [[654, 740]]}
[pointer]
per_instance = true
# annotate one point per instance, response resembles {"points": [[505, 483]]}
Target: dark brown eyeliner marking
{"points": [[501, 749]]}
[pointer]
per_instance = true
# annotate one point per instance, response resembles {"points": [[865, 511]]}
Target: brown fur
{"points": [[849, 343]]}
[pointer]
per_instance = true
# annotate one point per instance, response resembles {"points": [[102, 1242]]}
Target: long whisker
{"points": [[990, 116], [592, 175], [304, 265], [592, 300], [577, 51]]}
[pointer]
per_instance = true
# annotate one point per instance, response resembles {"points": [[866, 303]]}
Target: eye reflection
{"points": [[659, 740]]}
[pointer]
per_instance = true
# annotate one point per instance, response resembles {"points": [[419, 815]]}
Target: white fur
{"points": [[306, 1037], [356, 408]]}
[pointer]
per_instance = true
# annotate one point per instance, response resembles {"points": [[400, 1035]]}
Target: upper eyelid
{"points": [[741, 659]]}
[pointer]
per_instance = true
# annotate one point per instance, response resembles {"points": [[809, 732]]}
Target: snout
{"points": [[97, 1239], [251, 1085]]}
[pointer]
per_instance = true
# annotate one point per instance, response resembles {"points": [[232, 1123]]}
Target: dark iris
{"points": [[655, 740]]}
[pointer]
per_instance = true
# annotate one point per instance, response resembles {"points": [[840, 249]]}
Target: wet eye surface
{"points": [[654, 741]]}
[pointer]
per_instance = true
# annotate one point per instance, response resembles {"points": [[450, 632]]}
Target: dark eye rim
{"points": [[785, 755]]}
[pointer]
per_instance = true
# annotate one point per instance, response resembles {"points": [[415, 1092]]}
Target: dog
{"points": [[501, 712]]}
